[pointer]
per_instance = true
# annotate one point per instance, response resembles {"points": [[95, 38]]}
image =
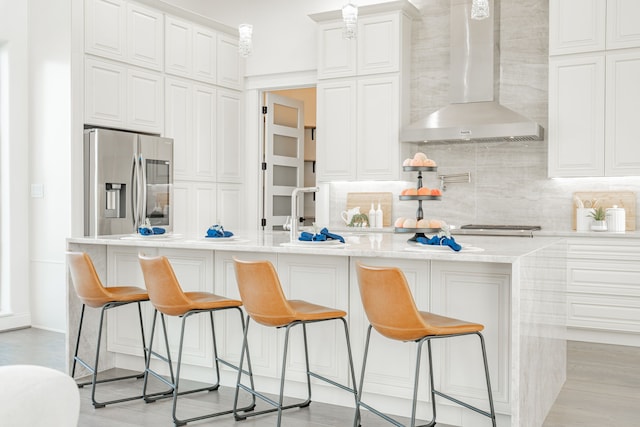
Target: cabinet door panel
{"points": [[230, 211], [336, 117], [378, 124], [145, 100], [576, 26], [229, 153], [378, 42], [622, 155], [204, 54], [576, 116], [229, 68], [105, 93], [178, 120], [478, 293], [105, 28], [204, 128], [622, 24], [336, 55], [181, 208], [178, 47], [144, 36], [325, 282]]}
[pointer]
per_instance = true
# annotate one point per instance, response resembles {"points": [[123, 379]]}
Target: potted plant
{"points": [[599, 219]]}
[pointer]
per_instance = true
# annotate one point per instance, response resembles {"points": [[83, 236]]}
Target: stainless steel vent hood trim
{"points": [[473, 115]]}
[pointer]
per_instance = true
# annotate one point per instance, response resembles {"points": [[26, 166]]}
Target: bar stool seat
{"points": [[169, 299], [392, 312], [92, 293], [265, 303]]}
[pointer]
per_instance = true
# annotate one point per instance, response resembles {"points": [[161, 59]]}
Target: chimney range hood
{"points": [[473, 114]]}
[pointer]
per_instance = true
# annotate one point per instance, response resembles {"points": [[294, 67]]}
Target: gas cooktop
{"points": [[498, 230]]}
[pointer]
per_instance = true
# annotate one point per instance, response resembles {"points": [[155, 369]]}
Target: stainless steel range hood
{"points": [[473, 114]]}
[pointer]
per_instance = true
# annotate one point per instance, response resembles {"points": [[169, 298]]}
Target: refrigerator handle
{"points": [[143, 188], [134, 194]]}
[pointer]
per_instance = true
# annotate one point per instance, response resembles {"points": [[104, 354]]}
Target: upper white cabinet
{"points": [[589, 25], [202, 54], [230, 156], [123, 97], [360, 107], [124, 31], [593, 87], [375, 50]]}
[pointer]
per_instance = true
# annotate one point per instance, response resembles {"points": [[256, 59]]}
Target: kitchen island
{"points": [[514, 286]]}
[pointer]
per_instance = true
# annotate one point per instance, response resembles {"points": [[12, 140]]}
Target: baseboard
{"points": [[603, 337]]}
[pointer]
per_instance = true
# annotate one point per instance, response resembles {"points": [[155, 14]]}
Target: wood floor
{"points": [[602, 389]]}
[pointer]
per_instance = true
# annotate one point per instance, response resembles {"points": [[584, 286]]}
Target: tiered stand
{"points": [[418, 232]]}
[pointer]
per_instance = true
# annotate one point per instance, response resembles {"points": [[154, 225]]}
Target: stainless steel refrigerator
{"points": [[128, 178]]}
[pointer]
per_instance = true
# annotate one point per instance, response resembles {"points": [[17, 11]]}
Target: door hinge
{"points": [[264, 110], [264, 166], [263, 222]]}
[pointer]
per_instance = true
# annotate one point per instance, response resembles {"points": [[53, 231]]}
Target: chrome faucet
{"points": [[293, 231]]}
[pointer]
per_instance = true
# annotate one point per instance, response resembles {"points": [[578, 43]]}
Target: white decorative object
{"points": [[245, 44], [583, 219], [480, 9], [350, 18]]}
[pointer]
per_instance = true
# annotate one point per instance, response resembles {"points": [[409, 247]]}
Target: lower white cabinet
{"points": [[603, 292], [123, 97], [194, 270]]}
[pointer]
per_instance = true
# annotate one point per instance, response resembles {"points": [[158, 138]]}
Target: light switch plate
{"points": [[37, 190]]}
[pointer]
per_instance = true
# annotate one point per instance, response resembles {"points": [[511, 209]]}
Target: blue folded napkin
{"points": [[148, 231], [440, 241], [218, 231], [158, 230], [322, 236], [331, 235], [310, 237]]}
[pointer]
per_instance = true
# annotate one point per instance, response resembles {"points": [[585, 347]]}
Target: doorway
{"points": [[289, 155]]}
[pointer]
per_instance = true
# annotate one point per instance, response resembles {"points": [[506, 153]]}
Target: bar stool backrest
{"points": [[388, 303], [163, 287], [261, 293], [85, 280]]}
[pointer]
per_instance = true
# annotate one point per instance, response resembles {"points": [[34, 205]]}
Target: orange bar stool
{"points": [[169, 299], [392, 312], [265, 303], [92, 293]]}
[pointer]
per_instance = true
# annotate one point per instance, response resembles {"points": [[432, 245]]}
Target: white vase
{"points": [[599, 226]]}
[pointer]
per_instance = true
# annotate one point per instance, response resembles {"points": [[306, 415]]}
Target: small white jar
{"points": [[616, 219]]}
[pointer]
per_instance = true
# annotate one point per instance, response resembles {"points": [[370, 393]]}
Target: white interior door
{"points": [[283, 168]]}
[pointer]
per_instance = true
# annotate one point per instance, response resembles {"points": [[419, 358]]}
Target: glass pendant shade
{"points": [[480, 9], [350, 18], [245, 44]]}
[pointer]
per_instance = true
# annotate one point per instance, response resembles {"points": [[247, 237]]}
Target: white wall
{"points": [[14, 142], [49, 157]]}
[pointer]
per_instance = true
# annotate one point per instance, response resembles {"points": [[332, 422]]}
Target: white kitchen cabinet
{"points": [[576, 115], [178, 47], [230, 157], [592, 25], [194, 207], [622, 24], [378, 121], [358, 122], [592, 125], [194, 270], [337, 130], [336, 55], [379, 43], [204, 54], [191, 122], [230, 207], [475, 292], [378, 48], [123, 97], [603, 291], [230, 72], [622, 148], [576, 26], [124, 31]]}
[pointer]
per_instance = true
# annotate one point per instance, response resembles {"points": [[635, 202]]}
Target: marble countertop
{"points": [[358, 244]]}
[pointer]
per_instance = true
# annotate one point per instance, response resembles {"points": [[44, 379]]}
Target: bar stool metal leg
{"points": [[94, 369]]}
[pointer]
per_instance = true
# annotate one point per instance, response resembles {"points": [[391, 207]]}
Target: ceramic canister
{"points": [[616, 219]]}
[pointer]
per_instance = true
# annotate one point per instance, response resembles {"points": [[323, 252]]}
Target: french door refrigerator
{"points": [[128, 179]]}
